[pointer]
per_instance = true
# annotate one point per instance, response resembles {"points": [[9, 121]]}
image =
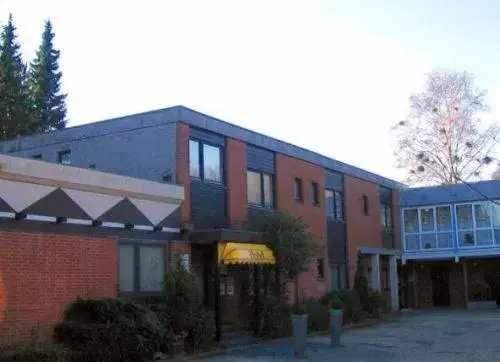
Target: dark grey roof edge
{"points": [[225, 128]]}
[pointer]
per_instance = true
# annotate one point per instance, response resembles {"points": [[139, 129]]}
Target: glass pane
{"points": [[495, 214], [342, 276], [152, 268], [412, 242], [482, 212], [211, 163], [497, 236], [339, 205], [443, 218], [484, 237], [126, 268], [194, 159], [383, 219], [427, 219], [464, 216], [466, 238], [268, 190], [445, 240], [429, 241], [330, 203], [411, 220], [254, 194], [334, 278], [388, 215], [298, 189], [65, 157]]}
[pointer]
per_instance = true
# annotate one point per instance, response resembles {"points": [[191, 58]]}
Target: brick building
{"points": [[451, 245], [229, 174], [67, 232]]}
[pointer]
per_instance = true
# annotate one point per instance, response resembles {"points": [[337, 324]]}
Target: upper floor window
{"points": [[260, 189], [64, 157], [299, 196], [334, 204], [386, 215], [428, 228], [315, 193], [205, 161], [366, 206], [478, 224]]}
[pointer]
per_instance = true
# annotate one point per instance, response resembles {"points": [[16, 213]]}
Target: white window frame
{"points": [[475, 228]]}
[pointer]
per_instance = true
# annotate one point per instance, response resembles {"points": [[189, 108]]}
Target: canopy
{"points": [[244, 253]]}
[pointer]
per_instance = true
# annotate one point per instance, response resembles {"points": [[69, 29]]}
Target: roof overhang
{"points": [[211, 236]]}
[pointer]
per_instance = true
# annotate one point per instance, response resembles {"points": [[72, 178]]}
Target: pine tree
{"points": [[49, 104], [15, 115]]}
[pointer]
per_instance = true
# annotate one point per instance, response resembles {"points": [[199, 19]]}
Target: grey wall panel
{"points": [[334, 181], [260, 159], [206, 136], [336, 236], [208, 205]]}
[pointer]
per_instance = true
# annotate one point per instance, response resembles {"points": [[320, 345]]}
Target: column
{"points": [[393, 280], [375, 259], [466, 282]]}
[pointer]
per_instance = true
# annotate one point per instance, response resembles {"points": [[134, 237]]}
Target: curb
{"points": [[388, 318]]}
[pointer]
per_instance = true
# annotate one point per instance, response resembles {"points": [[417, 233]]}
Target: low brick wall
{"points": [[40, 274]]}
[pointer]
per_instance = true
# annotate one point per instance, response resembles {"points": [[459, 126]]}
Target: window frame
{"points": [[335, 215], [475, 228], [298, 190], [136, 267], [320, 268], [60, 156], [419, 233], [201, 160], [388, 215], [262, 189], [315, 193]]}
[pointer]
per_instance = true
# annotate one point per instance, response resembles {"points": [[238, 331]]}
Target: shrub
{"points": [[110, 330], [201, 336], [351, 301], [374, 303], [318, 319], [336, 303], [276, 318], [44, 353]]}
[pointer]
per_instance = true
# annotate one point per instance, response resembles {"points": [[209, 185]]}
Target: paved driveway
{"points": [[439, 335]]}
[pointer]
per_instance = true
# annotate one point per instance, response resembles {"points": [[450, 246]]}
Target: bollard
{"points": [[336, 318], [299, 322]]}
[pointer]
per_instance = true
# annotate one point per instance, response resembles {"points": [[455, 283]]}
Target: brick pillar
{"points": [[393, 280], [182, 169]]}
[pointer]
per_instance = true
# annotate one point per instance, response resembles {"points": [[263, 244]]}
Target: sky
{"points": [[332, 76]]}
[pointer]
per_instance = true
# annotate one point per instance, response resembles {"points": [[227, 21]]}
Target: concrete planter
{"points": [[299, 323], [336, 318], [482, 304]]}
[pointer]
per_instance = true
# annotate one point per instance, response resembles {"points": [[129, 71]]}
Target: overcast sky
{"points": [[332, 76]]}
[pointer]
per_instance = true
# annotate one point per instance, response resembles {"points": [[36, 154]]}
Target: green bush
{"points": [[276, 318], [110, 330], [374, 303], [318, 317], [44, 353], [352, 303], [336, 303], [201, 336]]}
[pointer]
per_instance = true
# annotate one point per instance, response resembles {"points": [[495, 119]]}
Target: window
{"points": [[64, 157], [334, 204], [428, 228], [321, 268], [386, 216], [92, 166], [366, 206], [36, 157], [298, 190], [260, 189], [337, 277], [315, 193], [477, 224], [141, 268], [205, 161]]}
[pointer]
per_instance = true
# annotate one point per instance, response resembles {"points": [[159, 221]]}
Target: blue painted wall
{"points": [[450, 194]]}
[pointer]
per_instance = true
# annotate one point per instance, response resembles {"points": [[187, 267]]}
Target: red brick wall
{"points": [[176, 248], [287, 169], [236, 181], [362, 230], [182, 168], [43, 273]]}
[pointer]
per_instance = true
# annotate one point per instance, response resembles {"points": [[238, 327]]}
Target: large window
{"points": [[141, 268], [428, 228], [299, 194], [334, 204], [205, 161], [260, 189], [338, 278], [64, 157], [478, 224]]}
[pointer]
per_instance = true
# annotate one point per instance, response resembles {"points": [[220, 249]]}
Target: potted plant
{"points": [[299, 325], [336, 312]]}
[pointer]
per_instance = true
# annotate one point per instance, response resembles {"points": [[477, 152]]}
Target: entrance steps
{"points": [[234, 337]]}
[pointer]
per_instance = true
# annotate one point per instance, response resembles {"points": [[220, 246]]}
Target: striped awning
{"points": [[244, 253]]}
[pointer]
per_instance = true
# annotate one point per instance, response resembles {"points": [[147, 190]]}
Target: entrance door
{"points": [[441, 286]]}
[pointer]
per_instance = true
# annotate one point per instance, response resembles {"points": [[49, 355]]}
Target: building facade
{"points": [[229, 174], [451, 245]]}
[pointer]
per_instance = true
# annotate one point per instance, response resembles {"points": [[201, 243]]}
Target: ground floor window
{"points": [[141, 267], [337, 277]]}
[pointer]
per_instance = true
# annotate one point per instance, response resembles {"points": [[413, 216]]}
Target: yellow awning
{"points": [[243, 253]]}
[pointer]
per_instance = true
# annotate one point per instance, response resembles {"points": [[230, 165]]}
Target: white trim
{"points": [[112, 224], [7, 215], [143, 227], [79, 222], [41, 218], [171, 230]]}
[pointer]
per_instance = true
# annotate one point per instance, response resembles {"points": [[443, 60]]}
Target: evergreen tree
{"points": [[15, 117], [49, 104]]}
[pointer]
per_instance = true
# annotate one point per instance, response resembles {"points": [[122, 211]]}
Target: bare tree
{"points": [[496, 175], [442, 142]]}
